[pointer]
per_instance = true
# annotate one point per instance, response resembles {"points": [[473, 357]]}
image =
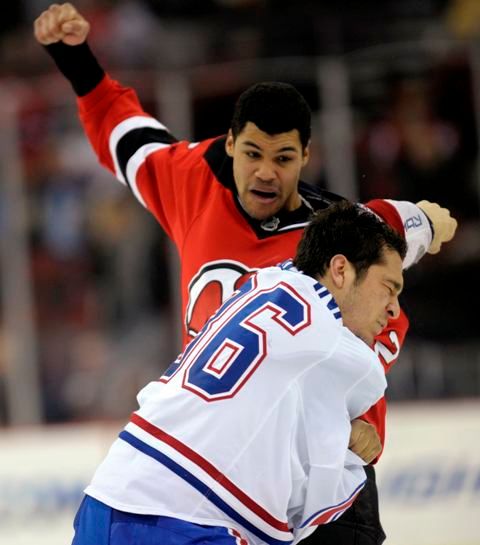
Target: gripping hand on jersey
{"points": [[364, 440], [444, 226], [61, 23]]}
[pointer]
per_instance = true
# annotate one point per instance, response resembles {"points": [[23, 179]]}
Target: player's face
{"points": [[373, 299], [266, 170]]}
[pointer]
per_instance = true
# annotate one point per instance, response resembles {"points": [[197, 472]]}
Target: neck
{"points": [[330, 285], [293, 203]]}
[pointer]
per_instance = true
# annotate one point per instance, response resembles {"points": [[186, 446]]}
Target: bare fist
{"points": [[444, 226], [61, 23], [364, 440]]}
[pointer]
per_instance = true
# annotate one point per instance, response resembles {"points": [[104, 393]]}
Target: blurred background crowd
{"points": [[88, 281]]}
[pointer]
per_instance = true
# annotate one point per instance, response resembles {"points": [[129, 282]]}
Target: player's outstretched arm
{"points": [[114, 121], [61, 23], [425, 225]]}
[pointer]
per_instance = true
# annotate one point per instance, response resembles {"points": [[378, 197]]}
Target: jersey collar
{"points": [[323, 293], [312, 198]]}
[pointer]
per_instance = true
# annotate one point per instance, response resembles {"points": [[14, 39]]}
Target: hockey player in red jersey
{"points": [[231, 204]]}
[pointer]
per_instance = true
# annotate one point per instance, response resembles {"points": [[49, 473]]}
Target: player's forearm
{"points": [[78, 64], [113, 119], [89, 81], [63, 31], [408, 219]]}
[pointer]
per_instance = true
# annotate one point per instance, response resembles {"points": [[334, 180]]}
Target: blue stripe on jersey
{"points": [[198, 485], [322, 291], [287, 265], [332, 304]]}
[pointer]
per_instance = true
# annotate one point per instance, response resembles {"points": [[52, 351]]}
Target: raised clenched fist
{"points": [[61, 23]]}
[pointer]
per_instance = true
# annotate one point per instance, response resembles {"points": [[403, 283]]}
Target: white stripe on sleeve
{"points": [[136, 161], [135, 122]]}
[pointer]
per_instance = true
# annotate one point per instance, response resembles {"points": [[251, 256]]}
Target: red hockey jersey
{"points": [[189, 188]]}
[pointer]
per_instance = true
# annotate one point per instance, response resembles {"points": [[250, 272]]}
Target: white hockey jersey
{"points": [[249, 428]]}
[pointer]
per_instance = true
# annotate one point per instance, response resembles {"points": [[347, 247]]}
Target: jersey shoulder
{"points": [[356, 357], [317, 198]]}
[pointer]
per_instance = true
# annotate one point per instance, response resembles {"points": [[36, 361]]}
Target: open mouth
{"points": [[265, 195]]}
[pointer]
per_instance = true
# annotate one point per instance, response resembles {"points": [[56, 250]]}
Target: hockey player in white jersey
{"points": [[245, 438]]}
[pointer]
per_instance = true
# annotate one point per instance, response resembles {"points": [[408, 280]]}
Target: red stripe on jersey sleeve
{"points": [[388, 213]]}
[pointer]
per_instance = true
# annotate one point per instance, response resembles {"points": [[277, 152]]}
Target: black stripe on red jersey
{"points": [[222, 167], [133, 140]]}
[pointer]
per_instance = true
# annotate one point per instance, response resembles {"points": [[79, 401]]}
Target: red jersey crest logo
{"points": [[209, 288]]}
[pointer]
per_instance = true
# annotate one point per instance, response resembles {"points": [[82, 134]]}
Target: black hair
{"points": [[274, 107], [347, 229]]}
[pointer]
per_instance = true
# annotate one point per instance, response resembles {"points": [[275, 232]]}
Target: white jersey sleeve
{"points": [[333, 394], [418, 232]]}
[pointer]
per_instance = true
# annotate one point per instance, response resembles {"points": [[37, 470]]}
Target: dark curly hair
{"points": [[350, 230], [274, 107]]}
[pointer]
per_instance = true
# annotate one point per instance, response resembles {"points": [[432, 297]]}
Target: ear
{"points": [[229, 143], [340, 270], [306, 154]]}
